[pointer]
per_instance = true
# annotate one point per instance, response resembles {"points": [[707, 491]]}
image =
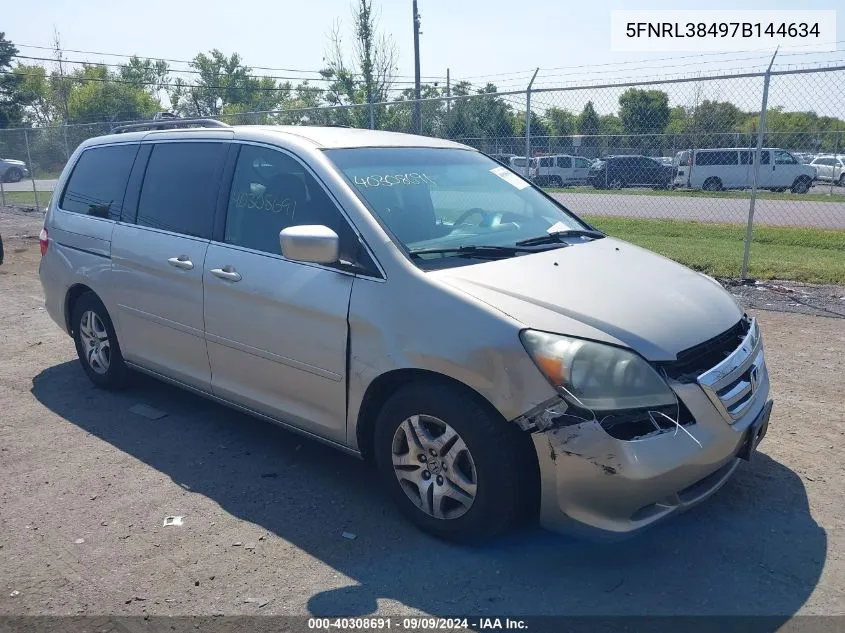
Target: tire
{"points": [[96, 343], [616, 183], [13, 174], [556, 181], [712, 184], [495, 472], [842, 180], [801, 185]]}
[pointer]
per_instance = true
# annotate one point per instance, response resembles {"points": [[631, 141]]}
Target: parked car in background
{"points": [[616, 172], [12, 170], [830, 169], [504, 159], [732, 168], [499, 361], [517, 163], [562, 169]]}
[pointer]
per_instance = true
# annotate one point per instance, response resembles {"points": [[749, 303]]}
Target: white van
{"points": [[517, 163], [732, 168], [562, 169]]}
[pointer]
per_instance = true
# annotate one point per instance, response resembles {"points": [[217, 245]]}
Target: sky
{"points": [[480, 40]]}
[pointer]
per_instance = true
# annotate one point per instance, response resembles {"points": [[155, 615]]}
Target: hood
{"points": [[605, 290]]}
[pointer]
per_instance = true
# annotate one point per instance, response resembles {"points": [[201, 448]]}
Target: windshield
{"points": [[449, 198]]}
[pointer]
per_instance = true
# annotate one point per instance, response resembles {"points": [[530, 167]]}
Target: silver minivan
{"points": [[410, 301]]}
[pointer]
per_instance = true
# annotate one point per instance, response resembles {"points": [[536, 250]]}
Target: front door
{"points": [[277, 329]]}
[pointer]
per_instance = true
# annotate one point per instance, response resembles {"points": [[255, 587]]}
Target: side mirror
{"points": [[315, 244]]}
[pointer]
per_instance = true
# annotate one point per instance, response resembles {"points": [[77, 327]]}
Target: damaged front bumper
{"points": [[597, 485]]}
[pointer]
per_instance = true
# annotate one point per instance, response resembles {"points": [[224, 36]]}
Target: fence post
{"points": [[2, 193], [528, 124], [31, 170], [757, 155], [372, 115], [67, 148], [836, 155]]}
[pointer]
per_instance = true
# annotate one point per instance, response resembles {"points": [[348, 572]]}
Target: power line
{"points": [[189, 61], [189, 71]]}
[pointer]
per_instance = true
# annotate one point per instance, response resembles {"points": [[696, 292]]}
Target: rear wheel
{"points": [[13, 174], [616, 183], [453, 469], [712, 184], [801, 185], [96, 343], [556, 181], [842, 180]]}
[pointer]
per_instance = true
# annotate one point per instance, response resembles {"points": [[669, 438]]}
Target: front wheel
{"points": [[14, 175], [712, 184], [802, 185], [452, 468], [96, 343], [842, 180]]}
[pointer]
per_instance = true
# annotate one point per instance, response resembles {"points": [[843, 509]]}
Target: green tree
{"points": [[35, 87], [561, 124], [225, 85], [610, 133], [588, 124], [484, 121], [12, 100], [366, 76], [644, 113], [97, 94]]}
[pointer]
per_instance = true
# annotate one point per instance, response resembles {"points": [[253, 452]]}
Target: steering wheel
{"points": [[488, 218]]}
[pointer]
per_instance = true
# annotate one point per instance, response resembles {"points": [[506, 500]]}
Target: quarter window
{"points": [[98, 182], [180, 187]]}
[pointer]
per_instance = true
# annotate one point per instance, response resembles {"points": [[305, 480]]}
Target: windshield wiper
{"points": [[557, 236], [474, 251]]}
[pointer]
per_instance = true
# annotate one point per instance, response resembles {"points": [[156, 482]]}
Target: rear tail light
{"points": [[42, 241]]}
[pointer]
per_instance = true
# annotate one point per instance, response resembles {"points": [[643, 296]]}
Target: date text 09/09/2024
{"points": [[417, 624], [721, 29]]}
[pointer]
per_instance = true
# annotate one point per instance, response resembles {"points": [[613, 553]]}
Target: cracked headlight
{"points": [[594, 375]]}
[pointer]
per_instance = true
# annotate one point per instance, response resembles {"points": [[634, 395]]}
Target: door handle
{"points": [[227, 272], [181, 262]]}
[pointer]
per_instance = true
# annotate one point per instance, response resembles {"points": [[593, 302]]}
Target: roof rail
{"points": [[167, 124]]}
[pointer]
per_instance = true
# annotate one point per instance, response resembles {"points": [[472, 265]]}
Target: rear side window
{"points": [[98, 182], [717, 158], [564, 162], [546, 162], [747, 157], [180, 187]]}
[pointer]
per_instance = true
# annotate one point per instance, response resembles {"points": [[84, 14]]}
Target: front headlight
{"points": [[596, 376]]}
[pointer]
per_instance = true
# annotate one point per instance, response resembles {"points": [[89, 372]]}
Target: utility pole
{"points": [[448, 93], [416, 122]]}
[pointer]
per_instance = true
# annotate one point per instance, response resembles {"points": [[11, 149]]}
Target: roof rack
{"points": [[167, 124]]}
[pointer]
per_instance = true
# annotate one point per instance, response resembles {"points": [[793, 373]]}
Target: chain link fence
{"points": [[665, 156]]}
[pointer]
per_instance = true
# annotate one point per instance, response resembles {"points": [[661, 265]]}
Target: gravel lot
{"points": [[85, 485]]}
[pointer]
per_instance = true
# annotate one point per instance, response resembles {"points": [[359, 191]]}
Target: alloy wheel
{"points": [[434, 467], [95, 341]]}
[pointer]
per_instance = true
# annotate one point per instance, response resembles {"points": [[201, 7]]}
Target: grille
{"points": [[732, 384], [696, 360]]}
